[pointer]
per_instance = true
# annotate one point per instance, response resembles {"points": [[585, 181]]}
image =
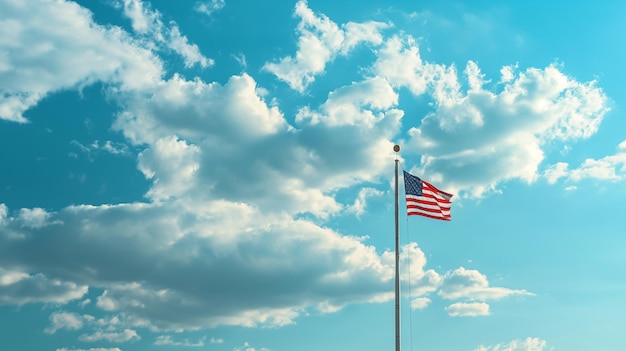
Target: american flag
{"points": [[423, 199]]}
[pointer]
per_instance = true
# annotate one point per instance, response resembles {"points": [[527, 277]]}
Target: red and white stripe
{"points": [[433, 203]]}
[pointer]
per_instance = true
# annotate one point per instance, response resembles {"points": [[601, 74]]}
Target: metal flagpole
{"points": [[396, 148]]}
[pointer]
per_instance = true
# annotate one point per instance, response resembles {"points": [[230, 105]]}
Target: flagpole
{"points": [[396, 148]]}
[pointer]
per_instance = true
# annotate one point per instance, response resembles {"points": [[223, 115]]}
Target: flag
{"points": [[423, 199]]}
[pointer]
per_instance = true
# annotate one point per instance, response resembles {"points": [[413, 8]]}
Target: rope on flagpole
{"points": [[408, 263], [407, 239]]}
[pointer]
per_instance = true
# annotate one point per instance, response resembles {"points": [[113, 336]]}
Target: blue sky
{"points": [[217, 175]]}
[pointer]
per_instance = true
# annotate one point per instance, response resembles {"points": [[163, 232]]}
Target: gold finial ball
{"points": [[396, 148]]}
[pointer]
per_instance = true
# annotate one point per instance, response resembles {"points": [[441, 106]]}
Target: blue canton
{"points": [[412, 184]]}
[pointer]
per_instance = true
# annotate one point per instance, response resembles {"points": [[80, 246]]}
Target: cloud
{"points": [[147, 23], [468, 309], [55, 60], [208, 128], [101, 329], [399, 62], [209, 7], [361, 103], [193, 110], [611, 168], [247, 347], [476, 140], [34, 218], [283, 266], [472, 285], [119, 337], [143, 20], [19, 288], [168, 340], [360, 203], [320, 41], [64, 320], [190, 52], [4, 211], [171, 163], [528, 344], [92, 349], [176, 267], [555, 172], [96, 147], [413, 272], [420, 303], [460, 284], [216, 341]]}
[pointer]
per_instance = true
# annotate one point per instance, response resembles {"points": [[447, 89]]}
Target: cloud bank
{"points": [[217, 241]]}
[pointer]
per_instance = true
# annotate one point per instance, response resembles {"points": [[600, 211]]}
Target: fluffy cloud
{"points": [[147, 23], [171, 163], [119, 337], [420, 303], [459, 284], [247, 347], [216, 341], [4, 210], [612, 167], [468, 309], [413, 272], [528, 344], [168, 340], [176, 266], [471, 284], [19, 288], [206, 129], [143, 20], [360, 203], [321, 40], [475, 140], [194, 110], [64, 320], [34, 218], [355, 104], [98, 148], [107, 329], [209, 7], [399, 62], [53, 60]]}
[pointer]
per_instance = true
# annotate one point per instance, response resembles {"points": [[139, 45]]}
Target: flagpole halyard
{"points": [[396, 148]]}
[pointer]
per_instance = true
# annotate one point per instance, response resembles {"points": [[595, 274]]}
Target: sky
{"points": [[218, 175]]}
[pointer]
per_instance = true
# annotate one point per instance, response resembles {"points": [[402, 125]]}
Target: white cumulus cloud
{"points": [[477, 139], [528, 344], [119, 337], [320, 41], [608, 168], [38, 59], [19, 288], [147, 22], [468, 309], [64, 320], [169, 340], [473, 285], [209, 7]]}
